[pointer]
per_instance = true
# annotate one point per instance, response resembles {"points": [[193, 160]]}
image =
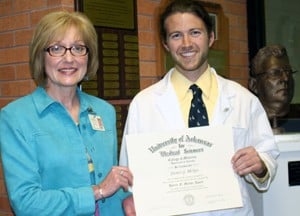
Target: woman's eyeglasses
{"points": [[75, 50]]}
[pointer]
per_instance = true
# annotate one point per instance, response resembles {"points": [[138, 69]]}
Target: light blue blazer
{"points": [[44, 156]]}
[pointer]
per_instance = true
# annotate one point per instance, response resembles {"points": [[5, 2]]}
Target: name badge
{"points": [[96, 122]]}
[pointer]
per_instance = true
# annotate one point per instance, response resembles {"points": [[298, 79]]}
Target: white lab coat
{"points": [[156, 109]]}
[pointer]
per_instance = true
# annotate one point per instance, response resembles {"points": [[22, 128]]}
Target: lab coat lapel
{"points": [[224, 105], [222, 111], [167, 104]]}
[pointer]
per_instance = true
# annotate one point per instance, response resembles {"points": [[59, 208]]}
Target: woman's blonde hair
{"points": [[52, 27]]}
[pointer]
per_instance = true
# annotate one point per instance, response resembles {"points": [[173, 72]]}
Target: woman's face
{"points": [[67, 70], [277, 84]]}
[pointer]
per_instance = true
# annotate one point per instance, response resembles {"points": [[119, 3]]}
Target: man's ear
{"points": [[165, 46], [252, 85], [211, 39]]}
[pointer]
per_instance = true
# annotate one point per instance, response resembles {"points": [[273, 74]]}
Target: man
{"points": [[187, 34], [272, 80]]}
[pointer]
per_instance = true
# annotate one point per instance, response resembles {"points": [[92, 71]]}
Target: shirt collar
{"points": [[43, 101], [204, 82]]}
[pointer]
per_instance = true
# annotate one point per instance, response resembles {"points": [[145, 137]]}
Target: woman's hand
{"points": [[118, 177]]}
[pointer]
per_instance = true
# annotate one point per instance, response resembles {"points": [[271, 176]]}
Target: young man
{"points": [[187, 34]]}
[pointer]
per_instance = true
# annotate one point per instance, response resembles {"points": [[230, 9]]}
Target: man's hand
{"points": [[247, 161]]}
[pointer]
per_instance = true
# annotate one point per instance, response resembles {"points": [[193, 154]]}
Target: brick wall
{"points": [[18, 18]]}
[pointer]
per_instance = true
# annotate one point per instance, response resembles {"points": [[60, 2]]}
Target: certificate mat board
{"points": [[183, 172]]}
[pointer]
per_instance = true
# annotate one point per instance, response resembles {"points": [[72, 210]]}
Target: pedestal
{"points": [[283, 196]]}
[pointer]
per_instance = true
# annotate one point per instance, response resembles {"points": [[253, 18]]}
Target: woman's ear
{"points": [[252, 85]]}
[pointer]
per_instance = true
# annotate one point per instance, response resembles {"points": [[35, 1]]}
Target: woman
{"points": [[58, 144]]}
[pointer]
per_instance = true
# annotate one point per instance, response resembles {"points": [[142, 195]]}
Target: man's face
{"points": [[188, 43], [277, 84]]}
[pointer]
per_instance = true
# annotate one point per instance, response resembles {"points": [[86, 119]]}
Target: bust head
{"points": [[272, 80]]}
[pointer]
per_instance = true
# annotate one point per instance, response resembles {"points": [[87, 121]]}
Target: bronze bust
{"points": [[272, 81]]}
